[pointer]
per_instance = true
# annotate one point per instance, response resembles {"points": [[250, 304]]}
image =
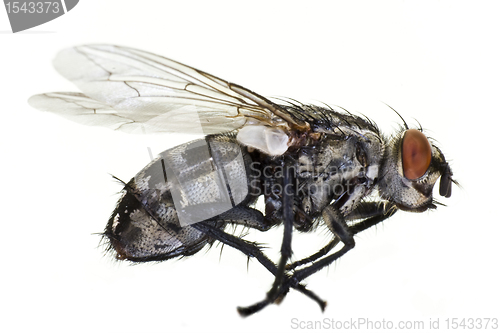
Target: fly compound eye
{"points": [[416, 151]]}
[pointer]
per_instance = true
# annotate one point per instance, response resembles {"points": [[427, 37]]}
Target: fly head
{"points": [[412, 165]]}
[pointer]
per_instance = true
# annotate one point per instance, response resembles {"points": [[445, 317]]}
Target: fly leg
{"points": [[336, 222], [321, 253], [286, 244], [370, 213], [247, 217], [375, 213], [333, 219], [366, 210], [252, 250], [276, 293]]}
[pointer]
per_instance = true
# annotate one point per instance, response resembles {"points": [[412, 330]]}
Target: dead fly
{"points": [[312, 165]]}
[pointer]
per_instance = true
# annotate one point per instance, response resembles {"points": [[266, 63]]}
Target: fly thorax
{"points": [[337, 167]]}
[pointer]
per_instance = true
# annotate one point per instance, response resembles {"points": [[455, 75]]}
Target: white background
{"points": [[436, 61]]}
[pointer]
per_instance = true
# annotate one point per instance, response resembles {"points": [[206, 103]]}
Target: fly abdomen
{"points": [[198, 181], [136, 235]]}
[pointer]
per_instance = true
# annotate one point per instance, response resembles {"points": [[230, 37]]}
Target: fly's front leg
{"points": [[369, 214], [335, 221], [370, 209], [374, 213], [345, 233], [321, 253]]}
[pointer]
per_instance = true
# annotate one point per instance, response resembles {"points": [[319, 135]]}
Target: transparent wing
{"points": [[82, 109], [137, 91]]}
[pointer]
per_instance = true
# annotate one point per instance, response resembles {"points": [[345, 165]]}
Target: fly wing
{"points": [[84, 110], [136, 91]]}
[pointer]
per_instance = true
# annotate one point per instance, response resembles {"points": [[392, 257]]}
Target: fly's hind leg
{"points": [[252, 250], [247, 217]]}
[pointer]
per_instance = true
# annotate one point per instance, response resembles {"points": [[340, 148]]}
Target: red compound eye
{"points": [[416, 151]]}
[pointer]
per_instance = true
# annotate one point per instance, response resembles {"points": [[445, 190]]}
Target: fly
{"points": [[314, 166]]}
